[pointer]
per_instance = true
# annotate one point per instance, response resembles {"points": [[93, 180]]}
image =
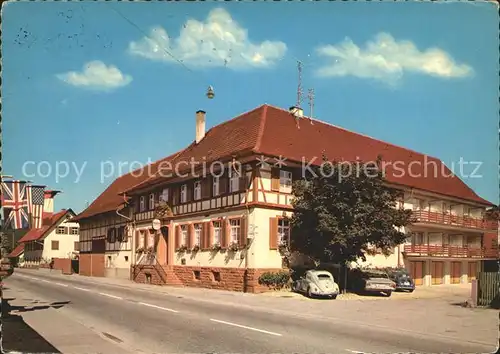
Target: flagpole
{"points": [[1, 249]]}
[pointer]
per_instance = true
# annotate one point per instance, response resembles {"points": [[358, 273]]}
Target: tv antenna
{"points": [[310, 96], [299, 85]]}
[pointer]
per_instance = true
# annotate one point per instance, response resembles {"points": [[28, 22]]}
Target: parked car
{"points": [[403, 280], [317, 283], [372, 281]]}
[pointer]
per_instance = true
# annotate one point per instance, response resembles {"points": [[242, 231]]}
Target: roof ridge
{"points": [[261, 128]]}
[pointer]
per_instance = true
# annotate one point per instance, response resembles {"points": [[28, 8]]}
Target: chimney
{"points": [[297, 111], [200, 125], [48, 205]]}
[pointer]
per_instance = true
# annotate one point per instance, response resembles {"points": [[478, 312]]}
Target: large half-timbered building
{"points": [[216, 214]]}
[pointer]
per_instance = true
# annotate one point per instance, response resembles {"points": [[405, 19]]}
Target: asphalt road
{"points": [[153, 323]]}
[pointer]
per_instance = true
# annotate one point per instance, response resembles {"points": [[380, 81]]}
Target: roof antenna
{"points": [[310, 96], [299, 85]]}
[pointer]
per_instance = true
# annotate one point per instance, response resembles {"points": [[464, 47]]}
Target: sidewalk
{"points": [[37, 326]]}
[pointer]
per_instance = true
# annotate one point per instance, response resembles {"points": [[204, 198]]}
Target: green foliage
{"points": [[275, 280], [344, 210]]}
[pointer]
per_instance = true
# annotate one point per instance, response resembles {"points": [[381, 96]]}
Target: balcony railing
{"points": [[451, 251], [454, 220]]}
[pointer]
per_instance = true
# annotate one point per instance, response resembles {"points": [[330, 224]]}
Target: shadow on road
{"points": [[19, 336]]}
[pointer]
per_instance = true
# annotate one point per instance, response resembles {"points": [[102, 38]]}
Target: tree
{"points": [[344, 211], [492, 214]]}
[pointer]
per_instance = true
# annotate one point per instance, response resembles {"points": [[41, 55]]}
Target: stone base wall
{"points": [[222, 278]]}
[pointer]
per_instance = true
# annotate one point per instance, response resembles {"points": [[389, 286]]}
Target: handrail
{"points": [[451, 251], [455, 220]]}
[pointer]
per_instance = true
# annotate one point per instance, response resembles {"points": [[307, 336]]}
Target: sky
{"points": [[92, 90]]}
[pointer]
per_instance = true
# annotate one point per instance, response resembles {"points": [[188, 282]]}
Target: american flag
{"points": [[15, 204], [35, 197]]}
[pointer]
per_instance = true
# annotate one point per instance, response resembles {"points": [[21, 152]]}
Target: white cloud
{"points": [[217, 42], [386, 59], [96, 75]]}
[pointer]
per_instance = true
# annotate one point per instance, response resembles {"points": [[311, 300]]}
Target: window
{"points": [[183, 193], [283, 232], [151, 201], [217, 232], [142, 204], [235, 230], [141, 239], [74, 230], [61, 230], [418, 238], [216, 276], [197, 190], [164, 195], [285, 181], [197, 235], [215, 186], [55, 245], [197, 275], [184, 235], [76, 246], [234, 182]]}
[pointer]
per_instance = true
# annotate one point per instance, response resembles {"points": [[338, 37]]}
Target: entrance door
{"points": [[472, 271], [417, 272], [437, 272], [456, 272]]}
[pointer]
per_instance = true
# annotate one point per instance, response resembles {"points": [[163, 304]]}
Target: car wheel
{"points": [[388, 294], [411, 290], [334, 297], [309, 293]]}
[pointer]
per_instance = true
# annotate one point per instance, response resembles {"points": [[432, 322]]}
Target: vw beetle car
{"points": [[403, 280], [318, 283]]}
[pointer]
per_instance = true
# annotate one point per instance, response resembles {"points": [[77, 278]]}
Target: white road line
{"points": [[112, 296], [250, 328], [157, 307], [354, 351], [45, 281], [61, 284], [82, 289]]}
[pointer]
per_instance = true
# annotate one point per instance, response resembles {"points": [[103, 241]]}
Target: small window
{"points": [[76, 246], [197, 275], [197, 190], [183, 193], [197, 235], [55, 245], [164, 195], [285, 181], [61, 230], [74, 230], [234, 182], [217, 232], [142, 204], [151, 201], [283, 232], [235, 230], [216, 276], [126, 258], [184, 235], [215, 186]]}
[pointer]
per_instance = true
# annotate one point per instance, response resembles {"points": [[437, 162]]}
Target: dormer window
{"points": [[197, 190], [183, 193], [164, 195], [234, 181], [142, 204], [151, 201]]}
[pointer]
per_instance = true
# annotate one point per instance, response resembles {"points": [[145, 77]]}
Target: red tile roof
{"points": [[48, 224], [272, 131], [17, 251], [110, 200]]}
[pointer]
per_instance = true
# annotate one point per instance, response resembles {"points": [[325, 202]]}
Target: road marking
{"points": [[157, 307], [250, 328], [45, 281], [82, 289], [61, 284], [355, 351], [112, 296]]}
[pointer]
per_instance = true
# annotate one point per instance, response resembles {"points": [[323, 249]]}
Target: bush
{"points": [[275, 280]]}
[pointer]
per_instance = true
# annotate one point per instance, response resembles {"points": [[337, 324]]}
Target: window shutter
{"points": [[190, 235], [275, 179], [137, 239], [225, 233], [210, 234], [223, 184], [177, 236], [243, 232], [273, 233]]}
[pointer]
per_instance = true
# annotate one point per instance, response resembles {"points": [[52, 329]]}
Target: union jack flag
{"points": [[15, 204], [35, 198]]}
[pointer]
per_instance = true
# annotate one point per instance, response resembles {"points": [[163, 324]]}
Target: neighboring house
{"points": [[17, 255], [225, 231], [58, 238], [106, 229]]}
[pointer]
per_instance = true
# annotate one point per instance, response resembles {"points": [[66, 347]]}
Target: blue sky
{"points": [[82, 85]]}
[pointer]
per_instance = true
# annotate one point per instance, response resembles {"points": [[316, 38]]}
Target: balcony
{"points": [[430, 217], [451, 251]]}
